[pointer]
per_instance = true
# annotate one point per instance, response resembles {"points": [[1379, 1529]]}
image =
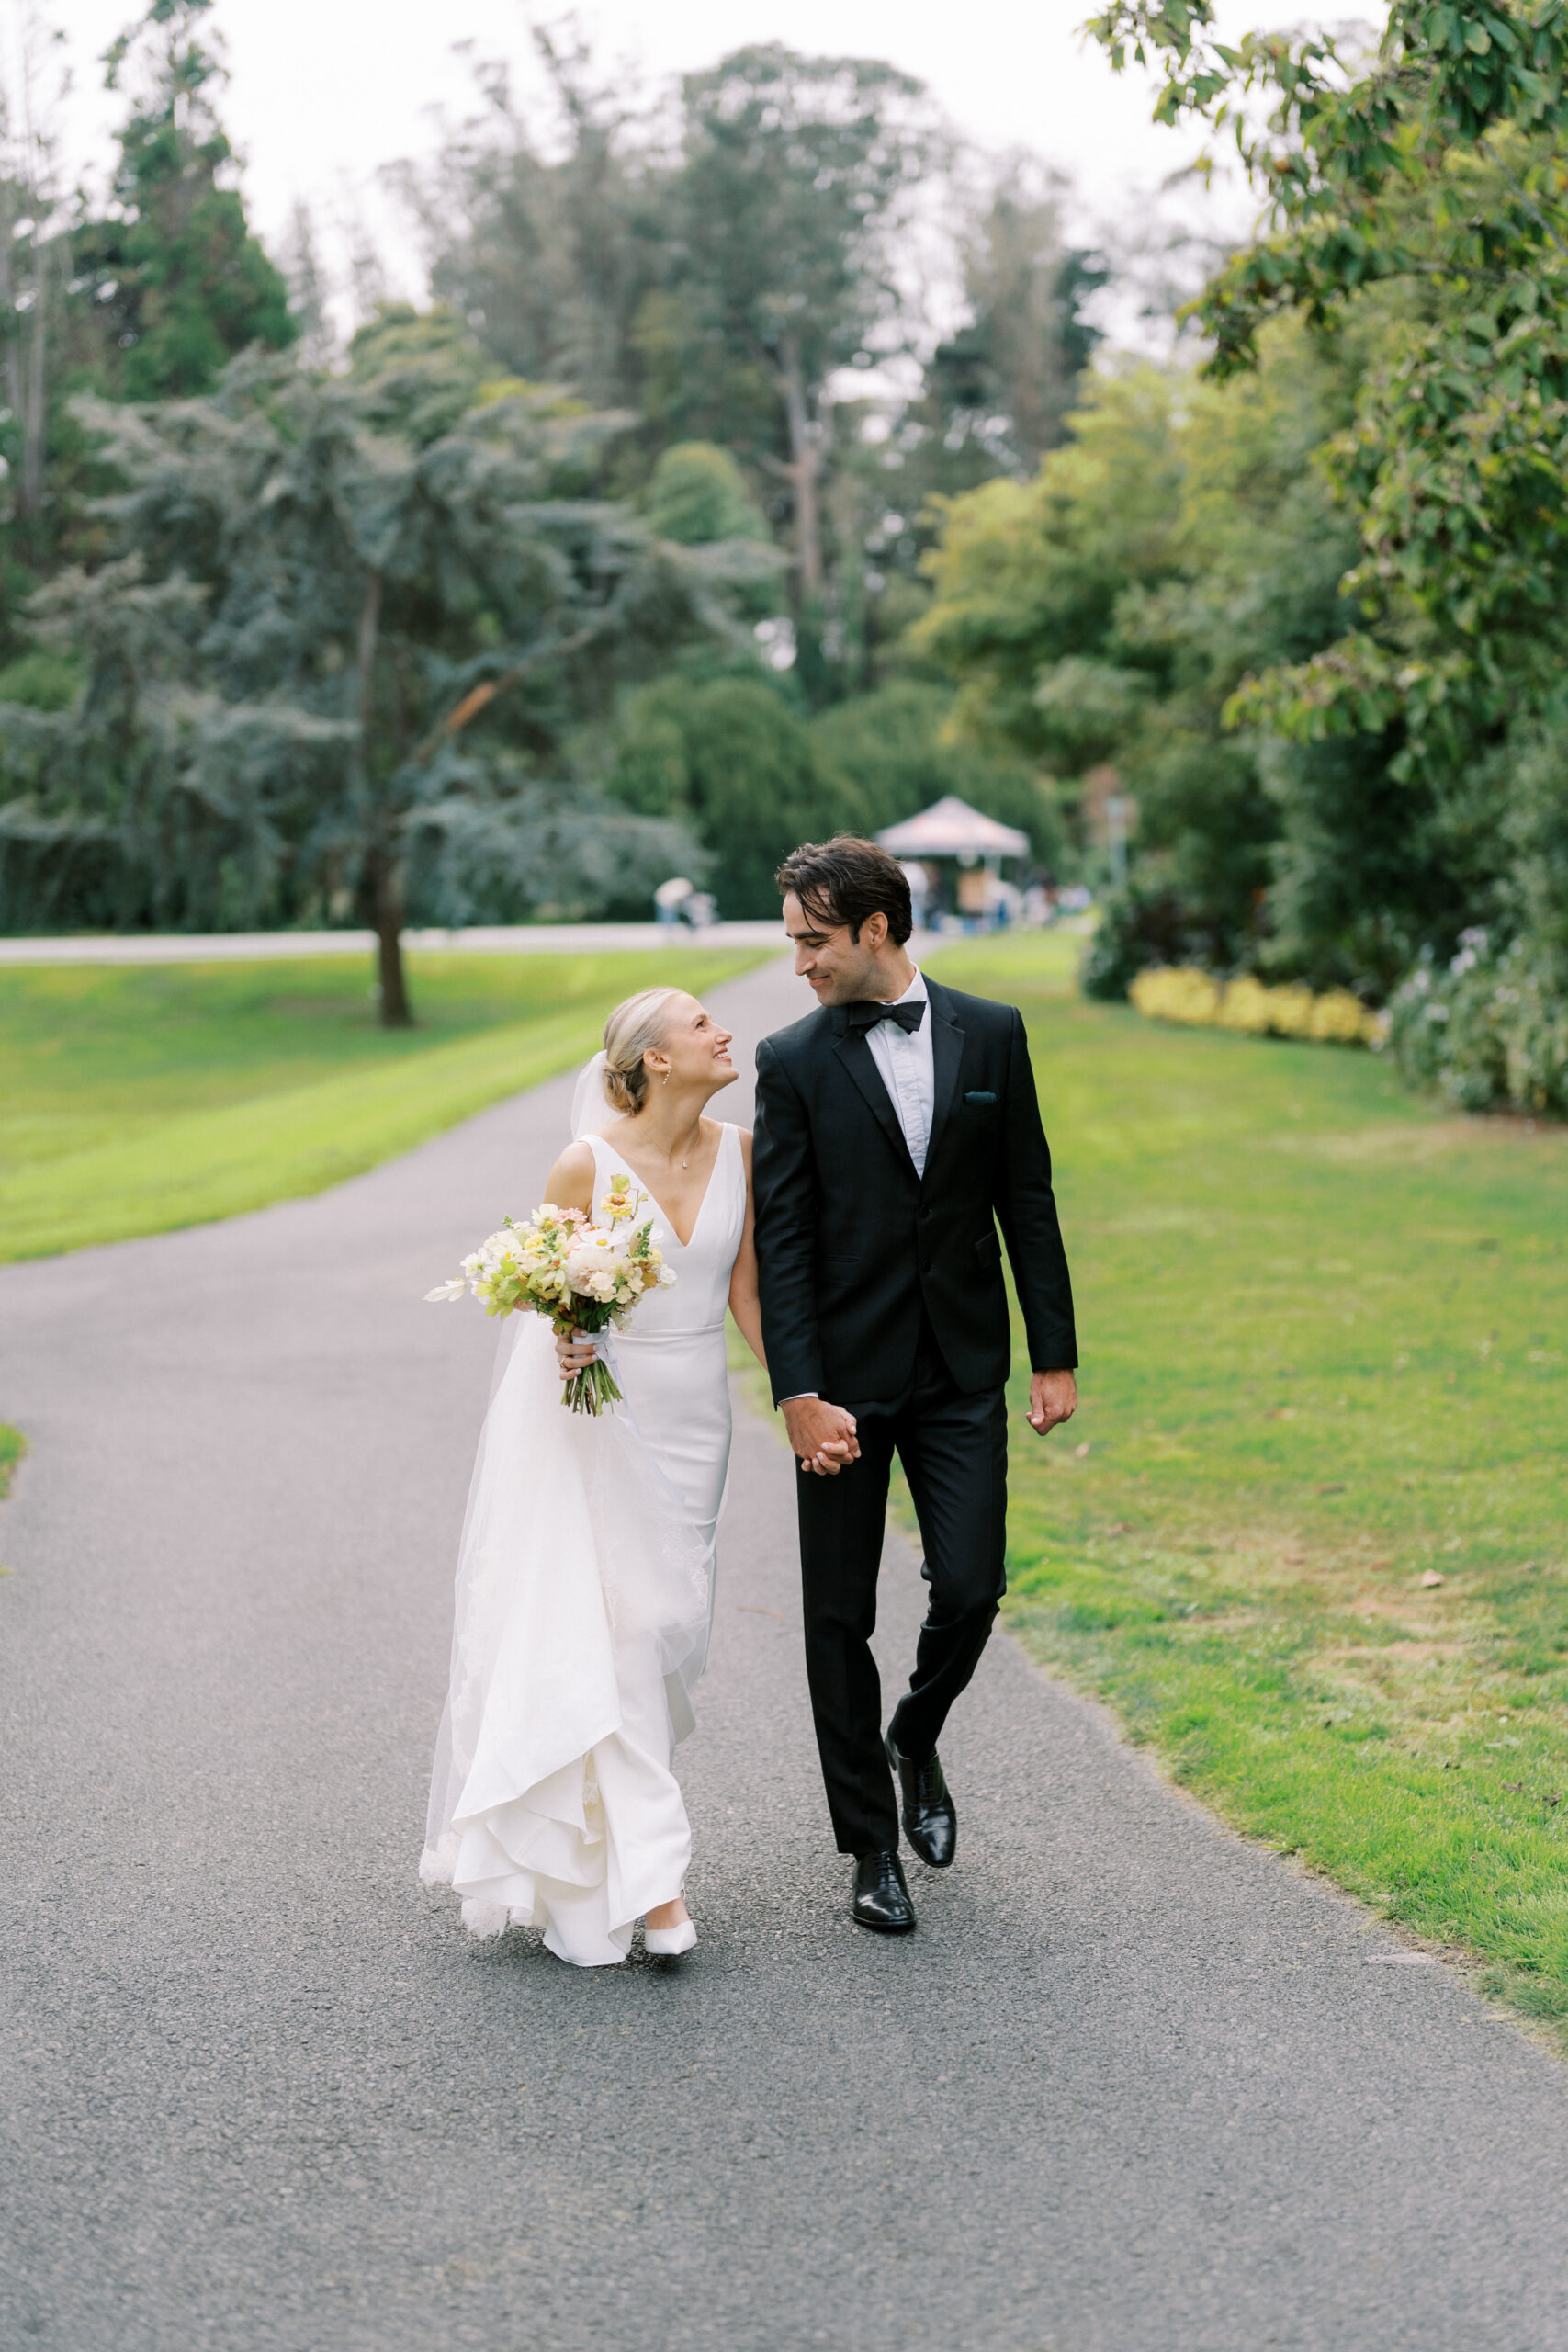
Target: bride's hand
{"points": [[821, 1435], [574, 1355]]}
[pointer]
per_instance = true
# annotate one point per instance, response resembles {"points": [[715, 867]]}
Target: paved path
{"points": [[1134, 2086], [479, 939]]}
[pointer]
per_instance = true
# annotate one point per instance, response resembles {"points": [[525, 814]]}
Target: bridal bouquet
{"points": [[584, 1276]]}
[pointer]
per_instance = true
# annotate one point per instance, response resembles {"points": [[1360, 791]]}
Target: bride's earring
{"points": [[665, 1080]]}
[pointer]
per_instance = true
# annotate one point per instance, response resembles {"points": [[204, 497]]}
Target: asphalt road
{"points": [[1134, 2086], [476, 939]]}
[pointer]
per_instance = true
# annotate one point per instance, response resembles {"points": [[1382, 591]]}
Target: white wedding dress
{"points": [[584, 1600]]}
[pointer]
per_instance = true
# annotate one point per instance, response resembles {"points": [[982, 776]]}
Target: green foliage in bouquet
{"points": [[585, 1278]]}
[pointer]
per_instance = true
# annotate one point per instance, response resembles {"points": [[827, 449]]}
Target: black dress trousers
{"points": [[953, 1446]]}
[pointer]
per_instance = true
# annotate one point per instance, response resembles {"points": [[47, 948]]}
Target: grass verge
{"points": [[145, 1097], [1307, 1534], [13, 1445]]}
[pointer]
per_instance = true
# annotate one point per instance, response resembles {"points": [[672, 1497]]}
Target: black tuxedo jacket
{"points": [[851, 1242]]}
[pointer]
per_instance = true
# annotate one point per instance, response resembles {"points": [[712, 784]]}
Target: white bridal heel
{"points": [[668, 1943]]}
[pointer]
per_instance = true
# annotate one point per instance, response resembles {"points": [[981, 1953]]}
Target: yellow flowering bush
{"points": [[1244, 1006], [1176, 993], [1180, 992]]}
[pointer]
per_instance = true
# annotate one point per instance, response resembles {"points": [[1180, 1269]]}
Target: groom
{"points": [[895, 1129]]}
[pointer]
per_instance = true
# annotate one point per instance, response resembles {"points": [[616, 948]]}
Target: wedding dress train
{"points": [[584, 1601]]}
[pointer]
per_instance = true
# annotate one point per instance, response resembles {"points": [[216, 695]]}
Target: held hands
{"points": [[574, 1355], [823, 1435], [1053, 1398]]}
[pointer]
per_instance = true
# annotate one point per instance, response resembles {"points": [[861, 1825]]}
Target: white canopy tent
{"points": [[950, 828]]}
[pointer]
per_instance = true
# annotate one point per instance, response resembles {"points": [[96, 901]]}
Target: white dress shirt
{"points": [[908, 1071]]}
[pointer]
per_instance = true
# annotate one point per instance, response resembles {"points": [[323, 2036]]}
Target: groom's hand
{"points": [[1053, 1398], [822, 1435]]}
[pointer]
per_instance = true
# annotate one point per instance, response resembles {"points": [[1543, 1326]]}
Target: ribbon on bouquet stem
{"points": [[603, 1346]]}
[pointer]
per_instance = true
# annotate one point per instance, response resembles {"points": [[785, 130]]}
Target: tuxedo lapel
{"points": [[858, 1060], [947, 1055]]}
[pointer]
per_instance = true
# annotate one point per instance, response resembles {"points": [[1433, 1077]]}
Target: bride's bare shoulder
{"points": [[570, 1182]]}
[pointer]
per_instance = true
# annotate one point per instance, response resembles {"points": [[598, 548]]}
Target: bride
{"points": [[585, 1576]]}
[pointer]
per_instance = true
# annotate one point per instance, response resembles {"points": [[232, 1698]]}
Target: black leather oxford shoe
{"points": [[882, 1899], [930, 1817]]}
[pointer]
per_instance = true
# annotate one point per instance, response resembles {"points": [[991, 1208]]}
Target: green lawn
{"points": [[1324, 1334], [134, 1099]]}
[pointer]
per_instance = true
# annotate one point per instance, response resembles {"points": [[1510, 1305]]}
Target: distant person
{"points": [[671, 898], [895, 1128], [919, 883]]}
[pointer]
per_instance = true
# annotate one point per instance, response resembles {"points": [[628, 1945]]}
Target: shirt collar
{"points": [[916, 991]]}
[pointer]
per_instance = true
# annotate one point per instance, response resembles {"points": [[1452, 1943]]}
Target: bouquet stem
{"points": [[591, 1391]]}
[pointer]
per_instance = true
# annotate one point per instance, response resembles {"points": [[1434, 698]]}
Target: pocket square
{"points": [[979, 1098]]}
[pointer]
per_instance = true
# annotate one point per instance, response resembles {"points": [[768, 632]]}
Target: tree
{"points": [[999, 392], [549, 256], [325, 660], [797, 176], [422, 371], [698, 494], [34, 266], [731, 757], [890, 747], [1417, 199], [309, 290], [171, 273], [1431, 165], [1103, 618]]}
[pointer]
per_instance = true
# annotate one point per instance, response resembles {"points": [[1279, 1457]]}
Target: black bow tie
{"points": [[908, 1016]]}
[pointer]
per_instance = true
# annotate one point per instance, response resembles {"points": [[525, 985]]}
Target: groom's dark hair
{"points": [[846, 880]]}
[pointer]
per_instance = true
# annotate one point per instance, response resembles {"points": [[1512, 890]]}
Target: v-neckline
{"points": [[702, 1204]]}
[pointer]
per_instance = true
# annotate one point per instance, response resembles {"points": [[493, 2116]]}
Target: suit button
{"points": [[926, 1266], [925, 1214]]}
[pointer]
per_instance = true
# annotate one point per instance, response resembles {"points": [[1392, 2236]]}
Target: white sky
{"points": [[324, 91]]}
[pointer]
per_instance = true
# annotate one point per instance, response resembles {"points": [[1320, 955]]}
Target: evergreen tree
{"points": [[733, 759], [998, 392], [549, 247], [329, 670], [797, 175], [172, 273]]}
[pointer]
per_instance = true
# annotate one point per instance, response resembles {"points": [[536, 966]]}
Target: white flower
{"points": [[594, 1253], [444, 1291]]}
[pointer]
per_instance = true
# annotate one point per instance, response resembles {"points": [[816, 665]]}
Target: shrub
{"points": [[1244, 1006], [1491, 1031], [1196, 999], [1144, 926], [1174, 994], [1340, 1019]]}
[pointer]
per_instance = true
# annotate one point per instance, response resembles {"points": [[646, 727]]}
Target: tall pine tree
{"points": [[172, 272]]}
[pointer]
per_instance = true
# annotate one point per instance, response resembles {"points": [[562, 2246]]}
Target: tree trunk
{"points": [[383, 864], [387, 886], [805, 473], [35, 415]]}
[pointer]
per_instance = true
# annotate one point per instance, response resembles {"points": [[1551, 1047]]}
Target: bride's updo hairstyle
{"points": [[634, 1027]]}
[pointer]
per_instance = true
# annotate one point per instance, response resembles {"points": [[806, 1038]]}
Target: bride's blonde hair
{"points": [[634, 1027]]}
